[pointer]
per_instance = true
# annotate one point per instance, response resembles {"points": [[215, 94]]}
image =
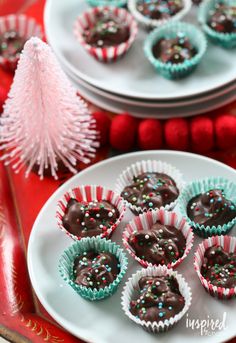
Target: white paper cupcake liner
{"points": [[132, 285], [146, 220], [126, 178], [90, 193], [149, 23], [229, 245], [106, 54], [26, 27]]}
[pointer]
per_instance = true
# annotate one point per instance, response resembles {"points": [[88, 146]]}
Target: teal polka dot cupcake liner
{"points": [[201, 186], [67, 259], [225, 40], [114, 3], [171, 30]]}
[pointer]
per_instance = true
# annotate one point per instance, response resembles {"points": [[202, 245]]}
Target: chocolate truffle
{"points": [[159, 9], [151, 190], [223, 18], [96, 270], [174, 50], [211, 208], [11, 45], [219, 267], [159, 299], [162, 244], [107, 31], [89, 219]]}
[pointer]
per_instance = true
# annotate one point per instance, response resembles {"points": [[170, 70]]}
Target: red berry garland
{"points": [[177, 134], [123, 132], [225, 129], [150, 134], [103, 124], [202, 134]]}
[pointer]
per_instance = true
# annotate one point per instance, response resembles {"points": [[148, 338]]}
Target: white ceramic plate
{"points": [[154, 104], [159, 112], [104, 321], [133, 75]]}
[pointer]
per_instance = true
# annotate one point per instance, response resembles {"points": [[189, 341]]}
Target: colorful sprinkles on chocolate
{"points": [[162, 244], [107, 30], [151, 190], [159, 9], [223, 18], [89, 219], [95, 270], [219, 267], [211, 208], [160, 299], [11, 45]]}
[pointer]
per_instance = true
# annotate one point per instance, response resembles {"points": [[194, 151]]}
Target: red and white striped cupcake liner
{"points": [[26, 27], [228, 243], [146, 220], [105, 54], [90, 193]]}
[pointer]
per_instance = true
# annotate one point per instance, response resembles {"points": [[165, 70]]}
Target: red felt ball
{"points": [[123, 132], [150, 134], [202, 134], [3, 97], [103, 124], [225, 130], [177, 134]]}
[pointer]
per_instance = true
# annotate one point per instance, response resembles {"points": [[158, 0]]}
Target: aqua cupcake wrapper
{"points": [[201, 186], [225, 40], [66, 263], [170, 30], [115, 3]]}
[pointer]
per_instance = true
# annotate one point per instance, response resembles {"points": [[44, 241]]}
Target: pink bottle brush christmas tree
{"points": [[44, 122]]}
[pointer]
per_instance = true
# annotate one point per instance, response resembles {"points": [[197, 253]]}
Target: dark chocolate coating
{"points": [[159, 299], [162, 244], [175, 50], [219, 267], [89, 219], [108, 30], [151, 190], [11, 44], [159, 9], [223, 19], [96, 270], [211, 208]]}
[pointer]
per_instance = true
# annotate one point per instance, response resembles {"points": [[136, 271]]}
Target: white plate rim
{"points": [[139, 156]]}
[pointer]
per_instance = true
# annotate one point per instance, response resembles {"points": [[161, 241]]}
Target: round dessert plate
{"points": [[133, 75], [104, 321], [143, 111]]}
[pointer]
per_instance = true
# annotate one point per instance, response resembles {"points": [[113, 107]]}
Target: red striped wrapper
{"points": [[146, 220], [105, 54], [26, 27], [229, 245], [87, 194]]}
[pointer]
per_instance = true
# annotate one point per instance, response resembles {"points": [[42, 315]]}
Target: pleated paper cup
{"points": [[146, 220], [228, 243], [149, 23], [131, 287], [68, 257], [126, 178], [25, 27], [105, 54], [201, 186], [170, 30], [90, 193], [225, 40], [115, 3]]}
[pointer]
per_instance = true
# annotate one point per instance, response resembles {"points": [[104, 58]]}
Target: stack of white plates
{"points": [[131, 84]]}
